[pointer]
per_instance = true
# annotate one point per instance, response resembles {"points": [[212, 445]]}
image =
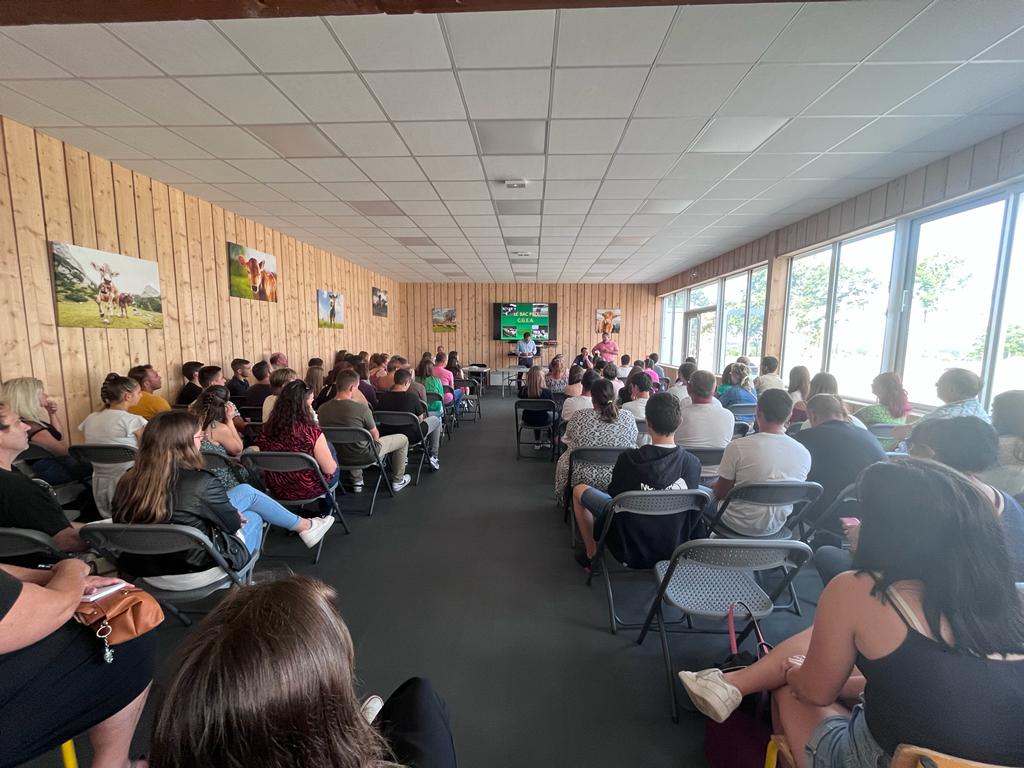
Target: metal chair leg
{"points": [[185, 620], [667, 656]]}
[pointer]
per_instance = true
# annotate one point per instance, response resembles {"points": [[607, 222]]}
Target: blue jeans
{"points": [[256, 507], [599, 504]]}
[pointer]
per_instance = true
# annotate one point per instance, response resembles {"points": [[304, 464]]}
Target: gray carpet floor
{"points": [[468, 580]]}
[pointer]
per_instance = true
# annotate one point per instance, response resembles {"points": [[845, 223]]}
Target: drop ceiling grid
{"points": [[118, 100]]}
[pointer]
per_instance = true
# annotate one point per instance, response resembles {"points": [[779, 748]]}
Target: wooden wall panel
{"points": [[53, 191]]}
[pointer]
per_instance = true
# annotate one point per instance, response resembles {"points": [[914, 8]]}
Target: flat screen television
{"points": [[512, 320]]}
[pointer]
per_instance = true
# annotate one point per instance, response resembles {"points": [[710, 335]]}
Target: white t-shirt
{"points": [[758, 458], [767, 381], [678, 391], [705, 425], [111, 426], [574, 405], [638, 408], [617, 383]]}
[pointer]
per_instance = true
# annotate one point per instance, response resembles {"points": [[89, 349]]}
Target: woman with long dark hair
{"points": [[928, 631], [893, 405], [799, 383]]}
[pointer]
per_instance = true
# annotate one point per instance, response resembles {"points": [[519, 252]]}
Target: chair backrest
{"points": [[19, 542], [536, 405], [433, 397], [216, 460], [646, 526], [708, 457], [179, 406], [93, 453], [33, 453], [559, 399], [743, 409], [775, 493], [793, 429], [744, 554], [283, 461], [601, 456], [251, 412], [908, 756], [844, 504], [400, 419], [472, 384], [357, 437], [883, 431], [740, 429]]}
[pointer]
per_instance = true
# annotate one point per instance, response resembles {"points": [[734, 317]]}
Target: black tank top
{"points": [[929, 696]]}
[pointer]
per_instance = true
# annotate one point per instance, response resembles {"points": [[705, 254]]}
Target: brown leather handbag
{"points": [[122, 616]]}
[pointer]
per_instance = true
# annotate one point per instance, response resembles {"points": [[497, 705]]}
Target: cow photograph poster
{"points": [[379, 302], [330, 309], [252, 274], [608, 320], [97, 289]]}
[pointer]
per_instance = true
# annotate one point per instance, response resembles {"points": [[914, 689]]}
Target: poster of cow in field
{"points": [[330, 309], [97, 289], [252, 274]]}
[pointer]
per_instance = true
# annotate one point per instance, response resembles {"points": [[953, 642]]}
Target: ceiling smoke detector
{"points": [[515, 183]]}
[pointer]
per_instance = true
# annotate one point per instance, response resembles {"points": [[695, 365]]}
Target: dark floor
{"points": [[468, 579]]}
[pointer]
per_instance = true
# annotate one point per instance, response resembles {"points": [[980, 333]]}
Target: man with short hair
{"points": [[278, 360], [583, 359], [238, 384], [447, 379], [705, 423], [640, 387], [607, 348], [624, 362], [659, 466], [839, 450], [582, 402], [149, 404], [767, 455], [211, 376], [188, 393], [769, 379], [526, 351], [401, 398], [653, 357], [261, 390], [679, 388], [345, 411]]}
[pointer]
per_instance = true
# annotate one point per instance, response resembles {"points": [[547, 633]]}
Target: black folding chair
{"points": [[361, 440], [743, 410], [25, 542], [883, 431], [740, 429], [708, 457], [522, 407], [251, 413], [471, 401], [605, 457], [446, 413], [95, 453], [399, 419], [65, 493]]}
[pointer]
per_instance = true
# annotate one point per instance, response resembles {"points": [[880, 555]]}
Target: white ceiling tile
{"points": [[964, 132], [329, 168], [329, 208], [566, 206], [501, 38], [159, 170], [355, 190], [660, 134], [435, 222], [721, 33], [211, 171], [98, 143], [80, 101], [163, 100], [680, 189], [18, 61], [640, 166], [650, 220], [366, 139], [1010, 49], [705, 165], [245, 98], [457, 168], [85, 50], [952, 30], [965, 90], [438, 138], [157, 142], [225, 141], [330, 97], [874, 89], [252, 192], [617, 220], [584, 136], [737, 189], [506, 93], [841, 32], [392, 42], [577, 166], [272, 44], [500, 167], [214, 194], [270, 170], [477, 222], [390, 168], [25, 110], [462, 190], [626, 190], [570, 190], [782, 89], [418, 95], [611, 36], [737, 134], [769, 166], [684, 91], [813, 134], [838, 165], [615, 206], [432, 207], [183, 47], [470, 207], [301, 140], [889, 133], [596, 92]]}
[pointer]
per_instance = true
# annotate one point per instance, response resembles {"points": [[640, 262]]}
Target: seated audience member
{"points": [[291, 427], [659, 466], [447, 380], [690, 359], [24, 504], [607, 348], [190, 391], [401, 398], [893, 405], [385, 382], [822, 384], [653, 357], [927, 633], [149, 404], [640, 387], [238, 384], [1008, 420], [648, 368], [365, 388], [341, 356], [679, 388], [741, 392], [601, 425], [211, 376], [364, 356], [278, 379], [582, 401], [54, 685], [769, 454], [839, 451], [705, 423], [583, 359], [611, 372], [599, 363], [343, 411], [315, 373], [534, 389], [289, 701], [454, 365], [624, 362], [278, 360], [958, 390], [574, 387], [557, 377], [261, 390], [115, 424], [27, 399], [216, 414], [799, 386], [425, 378], [378, 369], [744, 360], [170, 484], [726, 384], [769, 378]]}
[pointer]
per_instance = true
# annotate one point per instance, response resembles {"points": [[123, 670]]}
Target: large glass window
{"points": [[735, 320], [755, 314], [679, 326], [806, 311], [1009, 367], [861, 305], [954, 275]]}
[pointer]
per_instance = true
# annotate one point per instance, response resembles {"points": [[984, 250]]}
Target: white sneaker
{"points": [[397, 486], [318, 526], [434, 463], [711, 693], [537, 446], [372, 707]]}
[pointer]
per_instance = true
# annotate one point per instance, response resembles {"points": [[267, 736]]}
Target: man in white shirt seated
{"points": [[573, 405], [640, 392], [705, 424], [770, 454], [769, 379], [678, 389]]}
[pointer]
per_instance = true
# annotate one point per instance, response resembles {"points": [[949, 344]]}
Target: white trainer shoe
{"points": [[318, 526], [372, 707], [711, 693], [434, 463], [399, 485]]}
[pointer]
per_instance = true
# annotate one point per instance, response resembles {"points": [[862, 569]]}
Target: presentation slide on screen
{"points": [[517, 319]]}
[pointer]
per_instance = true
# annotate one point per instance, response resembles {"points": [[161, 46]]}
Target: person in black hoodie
{"points": [[660, 466]]}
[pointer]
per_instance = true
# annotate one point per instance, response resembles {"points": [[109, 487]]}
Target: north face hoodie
{"points": [[654, 468]]}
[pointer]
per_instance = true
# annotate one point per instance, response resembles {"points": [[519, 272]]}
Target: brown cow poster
{"points": [[252, 274], [97, 289]]}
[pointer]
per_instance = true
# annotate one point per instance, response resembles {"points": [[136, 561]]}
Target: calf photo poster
{"points": [[252, 274], [330, 309], [608, 320]]}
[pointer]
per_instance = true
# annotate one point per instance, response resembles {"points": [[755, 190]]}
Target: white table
{"points": [[479, 372], [509, 376]]}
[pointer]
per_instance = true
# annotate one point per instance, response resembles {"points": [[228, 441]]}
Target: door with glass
{"points": [[700, 337]]}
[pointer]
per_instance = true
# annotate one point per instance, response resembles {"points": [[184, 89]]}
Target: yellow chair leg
{"points": [[771, 755], [67, 753]]}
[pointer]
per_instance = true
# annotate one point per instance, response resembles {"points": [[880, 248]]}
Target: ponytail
{"points": [[602, 394], [115, 388]]}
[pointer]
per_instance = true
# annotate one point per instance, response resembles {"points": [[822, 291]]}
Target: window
{"points": [[679, 328], [1009, 355], [953, 278], [806, 311], [735, 319], [755, 314]]}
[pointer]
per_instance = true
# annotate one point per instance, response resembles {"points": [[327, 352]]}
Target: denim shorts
{"points": [[598, 503], [839, 742]]}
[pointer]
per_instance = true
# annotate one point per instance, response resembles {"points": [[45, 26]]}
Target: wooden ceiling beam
{"points": [[21, 12]]}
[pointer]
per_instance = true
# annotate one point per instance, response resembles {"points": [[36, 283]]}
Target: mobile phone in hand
{"points": [[850, 522], [102, 592]]}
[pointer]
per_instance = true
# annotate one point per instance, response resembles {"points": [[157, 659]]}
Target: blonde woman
{"points": [[557, 378], [534, 389], [315, 374]]}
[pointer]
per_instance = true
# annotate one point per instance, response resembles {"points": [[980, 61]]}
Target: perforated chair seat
{"points": [[707, 592]]}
